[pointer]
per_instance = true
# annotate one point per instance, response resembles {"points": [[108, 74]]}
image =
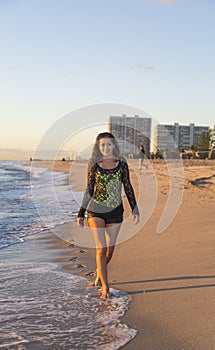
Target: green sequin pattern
{"points": [[108, 189], [104, 188]]}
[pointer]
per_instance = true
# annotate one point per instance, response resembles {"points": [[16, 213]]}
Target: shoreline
{"points": [[170, 276], [42, 268]]}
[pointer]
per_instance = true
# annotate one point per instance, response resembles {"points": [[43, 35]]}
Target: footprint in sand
{"points": [[82, 251], [74, 258], [78, 266], [91, 273]]}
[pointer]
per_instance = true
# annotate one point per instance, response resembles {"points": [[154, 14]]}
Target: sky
{"points": [[58, 56]]}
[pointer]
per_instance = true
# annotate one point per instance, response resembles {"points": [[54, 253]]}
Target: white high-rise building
{"points": [[170, 137], [131, 132]]}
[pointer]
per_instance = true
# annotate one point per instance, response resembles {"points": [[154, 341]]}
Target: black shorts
{"points": [[114, 216]]}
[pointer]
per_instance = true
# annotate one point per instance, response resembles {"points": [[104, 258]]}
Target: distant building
{"points": [[170, 137], [212, 139], [131, 132]]}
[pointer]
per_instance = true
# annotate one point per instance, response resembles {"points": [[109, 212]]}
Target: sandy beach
{"points": [[171, 275]]}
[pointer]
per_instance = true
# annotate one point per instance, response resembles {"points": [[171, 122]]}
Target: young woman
{"points": [[103, 201]]}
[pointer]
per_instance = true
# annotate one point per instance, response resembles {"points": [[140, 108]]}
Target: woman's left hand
{"points": [[136, 219]]}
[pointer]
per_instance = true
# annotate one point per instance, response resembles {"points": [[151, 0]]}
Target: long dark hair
{"points": [[96, 154]]}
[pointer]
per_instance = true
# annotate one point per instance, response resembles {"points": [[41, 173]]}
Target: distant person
{"points": [[141, 157], [103, 202]]}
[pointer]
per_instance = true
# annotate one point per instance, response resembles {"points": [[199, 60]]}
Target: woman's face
{"points": [[106, 147]]}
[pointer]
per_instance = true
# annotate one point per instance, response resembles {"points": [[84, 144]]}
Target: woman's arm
{"points": [[88, 192], [129, 189]]}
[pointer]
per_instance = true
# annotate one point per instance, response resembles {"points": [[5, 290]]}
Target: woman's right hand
{"points": [[136, 219], [80, 222]]}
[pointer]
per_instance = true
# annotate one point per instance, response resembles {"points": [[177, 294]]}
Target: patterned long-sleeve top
{"points": [[104, 187]]}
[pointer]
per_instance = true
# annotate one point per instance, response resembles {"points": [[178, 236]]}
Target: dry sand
{"points": [[171, 276]]}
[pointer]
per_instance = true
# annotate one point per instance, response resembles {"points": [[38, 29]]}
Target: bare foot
{"points": [[105, 293], [97, 282]]}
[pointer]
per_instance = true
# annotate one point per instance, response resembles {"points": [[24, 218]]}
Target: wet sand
{"points": [[171, 276]]}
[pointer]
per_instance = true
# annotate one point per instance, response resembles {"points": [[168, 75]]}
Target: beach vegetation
{"points": [[204, 140], [193, 148]]}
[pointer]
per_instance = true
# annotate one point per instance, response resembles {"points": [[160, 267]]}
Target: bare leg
{"points": [[112, 231], [141, 163], [97, 226], [105, 244], [101, 261], [97, 280]]}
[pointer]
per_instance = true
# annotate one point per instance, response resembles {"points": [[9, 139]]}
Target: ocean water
{"points": [[31, 200], [41, 305]]}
